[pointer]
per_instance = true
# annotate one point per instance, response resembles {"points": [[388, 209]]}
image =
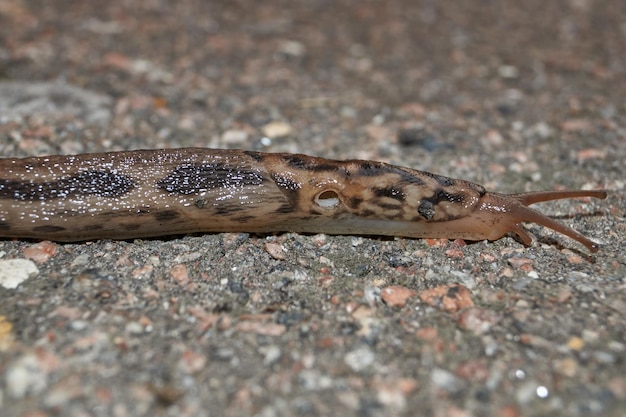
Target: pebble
{"points": [[450, 298], [391, 396], [445, 380], [359, 359], [524, 264], [454, 253], [271, 354], [575, 125], [7, 336], [275, 250], [41, 252], [575, 343], [473, 370], [526, 392], [275, 130], [508, 71], [396, 295], [567, 367], [293, 48], [235, 137], [26, 376], [477, 320], [265, 329], [82, 259], [180, 275], [192, 362], [313, 380], [15, 271]]}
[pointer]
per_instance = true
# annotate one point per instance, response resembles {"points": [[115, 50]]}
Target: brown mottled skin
{"points": [[148, 193]]}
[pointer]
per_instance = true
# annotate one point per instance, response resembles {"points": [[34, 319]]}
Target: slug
{"points": [[150, 193]]}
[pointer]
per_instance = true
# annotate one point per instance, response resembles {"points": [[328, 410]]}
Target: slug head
{"points": [[499, 214], [458, 210], [374, 198]]}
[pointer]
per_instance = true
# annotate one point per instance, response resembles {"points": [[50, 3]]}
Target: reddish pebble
{"points": [[454, 253], [478, 320], [180, 275], [192, 362], [41, 252], [427, 333], [574, 259], [436, 243], [473, 370], [325, 280], [396, 295], [450, 298], [508, 411], [591, 153], [524, 264], [564, 295], [487, 258], [142, 272], [275, 250], [265, 329], [319, 240], [575, 125]]}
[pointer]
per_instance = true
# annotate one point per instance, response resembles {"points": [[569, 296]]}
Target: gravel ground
{"points": [[514, 95]]}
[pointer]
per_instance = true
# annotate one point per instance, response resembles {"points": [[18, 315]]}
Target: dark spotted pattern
{"points": [[388, 206], [376, 169], [304, 163], [390, 192], [426, 209], [243, 219], [286, 184], [227, 209], [166, 215], [355, 202], [93, 227], [254, 155], [285, 208], [48, 229], [201, 203], [443, 195], [443, 181], [198, 178], [290, 189], [132, 226], [100, 183], [370, 169]]}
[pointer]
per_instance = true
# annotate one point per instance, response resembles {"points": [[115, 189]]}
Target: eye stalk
{"points": [[507, 212]]}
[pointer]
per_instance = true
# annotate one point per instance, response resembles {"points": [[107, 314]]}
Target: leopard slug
{"points": [[149, 193]]}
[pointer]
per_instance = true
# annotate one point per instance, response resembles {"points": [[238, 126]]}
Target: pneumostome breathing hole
{"points": [[328, 199]]}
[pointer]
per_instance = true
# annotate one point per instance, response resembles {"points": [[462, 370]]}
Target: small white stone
{"points": [[25, 376], [277, 130], [271, 354], [292, 48], [234, 136], [359, 359], [15, 271], [508, 71]]}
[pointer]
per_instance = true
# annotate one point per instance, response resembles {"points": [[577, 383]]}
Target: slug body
{"points": [[148, 193]]}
